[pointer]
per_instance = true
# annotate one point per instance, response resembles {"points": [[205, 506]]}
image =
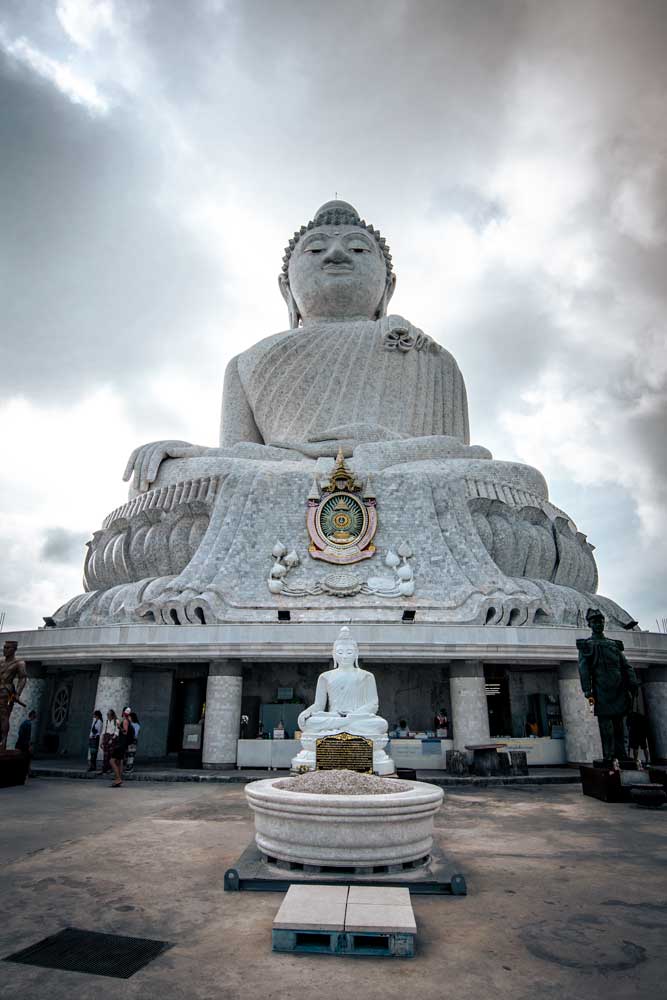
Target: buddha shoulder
{"points": [[247, 360]]}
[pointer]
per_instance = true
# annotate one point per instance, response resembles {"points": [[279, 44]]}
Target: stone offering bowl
{"points": [[345, 831]]}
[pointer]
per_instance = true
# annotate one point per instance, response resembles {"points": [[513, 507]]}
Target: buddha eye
{"points": [[314, 249]]}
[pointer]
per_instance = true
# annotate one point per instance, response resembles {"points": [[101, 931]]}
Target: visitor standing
{"points": [[119, 750], [441, 724], [132, 748], [94, 739], [24, 739], [109, 733], [638, 735]]}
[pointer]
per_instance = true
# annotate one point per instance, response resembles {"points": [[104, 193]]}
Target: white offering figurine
{"points": [[346, 701]]}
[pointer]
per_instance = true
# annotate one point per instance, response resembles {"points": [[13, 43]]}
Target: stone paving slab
{"points": [[313, 908], [384, 918], [378, 895], [356, 908]]}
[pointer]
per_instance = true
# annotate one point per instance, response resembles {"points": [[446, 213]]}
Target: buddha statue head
{"points": [[345, 651], [337, 267]]}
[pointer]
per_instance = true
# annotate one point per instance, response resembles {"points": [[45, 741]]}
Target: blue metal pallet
{"points": [[344, 943]]}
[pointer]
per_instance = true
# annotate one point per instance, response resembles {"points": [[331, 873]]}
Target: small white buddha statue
{"points": [[346, 701]]}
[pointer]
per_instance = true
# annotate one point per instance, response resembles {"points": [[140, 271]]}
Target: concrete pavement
{"points": [[567, 897]]}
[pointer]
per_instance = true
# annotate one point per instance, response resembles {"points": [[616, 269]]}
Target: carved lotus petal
{"points": [[278, 550], [382, 585], [292, 559], [404, 550], [391, 559]]}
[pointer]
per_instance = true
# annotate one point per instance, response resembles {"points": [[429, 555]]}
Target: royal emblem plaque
{"points": [[342, 518], [344, 752]]}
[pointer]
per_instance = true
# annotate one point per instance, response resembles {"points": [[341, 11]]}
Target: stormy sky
{"points": [[156, 156]]}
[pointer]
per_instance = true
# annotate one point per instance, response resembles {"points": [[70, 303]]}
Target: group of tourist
{"points": [[118, 740]]}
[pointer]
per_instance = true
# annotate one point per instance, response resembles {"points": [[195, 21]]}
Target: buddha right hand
{"points": [[145, 461], [303, 717]]}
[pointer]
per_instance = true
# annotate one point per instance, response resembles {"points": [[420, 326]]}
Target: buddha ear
{"points": [[389, 287], [286, 292]]}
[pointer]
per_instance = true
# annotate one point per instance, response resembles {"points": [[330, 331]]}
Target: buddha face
{"points": [[338, 272], [345, 653]]}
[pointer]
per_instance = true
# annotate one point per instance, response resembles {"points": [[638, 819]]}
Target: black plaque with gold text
{"points": [[344, 752]]}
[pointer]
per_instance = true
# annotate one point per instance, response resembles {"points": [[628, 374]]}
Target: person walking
{"points": [[108, 736], [94, 739], [119, 750], [132, 749], [638, 733], [24, 736]]}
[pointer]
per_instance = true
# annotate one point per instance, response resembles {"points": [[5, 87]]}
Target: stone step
{"points": [[342, 920]]}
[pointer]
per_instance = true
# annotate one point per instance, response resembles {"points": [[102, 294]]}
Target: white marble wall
{"points": [[655, 700], [34, 696], [114, 687], [582, 735], [470, 716], [223, 714]]}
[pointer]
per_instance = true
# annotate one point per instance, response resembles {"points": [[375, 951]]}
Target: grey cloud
{"points": [[61, 545], [96, 273], [473, 206]]}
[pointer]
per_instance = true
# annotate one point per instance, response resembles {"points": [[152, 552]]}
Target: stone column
{"points": [[582, 735], [223, 714], [655, 700], [470, 716], [114, 687], [34, 696]]}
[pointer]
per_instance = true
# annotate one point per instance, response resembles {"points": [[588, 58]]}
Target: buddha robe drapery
{"points": [[352, 691], [299, 384]]}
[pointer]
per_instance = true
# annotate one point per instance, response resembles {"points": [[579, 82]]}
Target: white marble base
{"points": [[306, 758], [344, 830]]}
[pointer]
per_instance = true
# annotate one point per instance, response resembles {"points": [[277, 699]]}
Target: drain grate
{"points": [[88, 951]]}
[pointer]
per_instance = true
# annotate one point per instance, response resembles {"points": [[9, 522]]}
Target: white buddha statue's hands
{"points": [[144, 462], [303, 717]]}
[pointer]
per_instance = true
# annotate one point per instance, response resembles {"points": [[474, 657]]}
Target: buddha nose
{"points": [[336, 254]]}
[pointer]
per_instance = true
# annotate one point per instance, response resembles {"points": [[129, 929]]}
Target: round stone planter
{"points": [[344, 831]]}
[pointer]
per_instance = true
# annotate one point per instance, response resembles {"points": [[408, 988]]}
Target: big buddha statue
{"points": [[344, 473]]}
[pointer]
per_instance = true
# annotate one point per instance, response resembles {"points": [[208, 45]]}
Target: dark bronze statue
{"points": [[609, 682], [13, 676]]}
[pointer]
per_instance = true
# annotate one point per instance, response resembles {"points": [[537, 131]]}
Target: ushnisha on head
{"points": [[345, 649], [337, 267]]}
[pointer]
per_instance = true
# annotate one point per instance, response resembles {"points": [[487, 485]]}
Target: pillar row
{"points": [[470, 715], [114, 687], [655, 700], [582, 734], [223, 714], [33, 697]]}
